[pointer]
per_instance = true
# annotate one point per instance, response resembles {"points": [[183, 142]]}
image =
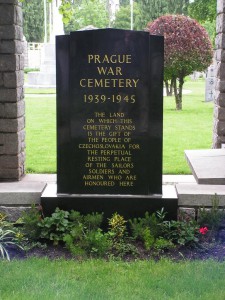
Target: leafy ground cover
{"points": [[190, 128], [74, 235], [40, 278]]}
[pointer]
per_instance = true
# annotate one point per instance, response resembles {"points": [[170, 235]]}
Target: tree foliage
{"points": [[123, 17], [124, 2], [33, 20], [88, 13], [152, 9], [203, 10], [187, 48]]}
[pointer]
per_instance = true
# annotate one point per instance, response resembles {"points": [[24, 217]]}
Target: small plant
{"points": [[212, 217], [121, 244], [93, 221], [96, 243], [161, 215], [85, 236], [2, 217], [161, 244], [73, 246], [55, 227], [117, 226], [4, 224], [7, 238], [30, 221], [148, 229], [148, 238], [138, 225], [181, 232]]}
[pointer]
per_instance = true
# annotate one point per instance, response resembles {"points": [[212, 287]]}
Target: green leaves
{"points": [[84, 13], [7, 238], [203, 10], [33, 20], [66, 11], [55, 227], [187, 48]]}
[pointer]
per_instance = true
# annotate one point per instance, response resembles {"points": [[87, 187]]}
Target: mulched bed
{"points": [[207, 250]]}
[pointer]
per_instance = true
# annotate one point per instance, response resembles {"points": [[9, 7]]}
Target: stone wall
{"points": [[219, 108], [12, 106]]}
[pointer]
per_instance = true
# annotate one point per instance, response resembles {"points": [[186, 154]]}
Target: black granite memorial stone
{"points": [[109, 99], [109, 121]]}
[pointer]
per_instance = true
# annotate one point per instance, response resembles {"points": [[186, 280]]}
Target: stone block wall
{"points": [[219, 107], [12, 106]]}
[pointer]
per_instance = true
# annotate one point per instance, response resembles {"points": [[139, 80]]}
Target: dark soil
{"points": [[213, 249]]}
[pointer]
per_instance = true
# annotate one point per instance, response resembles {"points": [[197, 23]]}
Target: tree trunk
{"points": [[169, 88], [178, 92]]}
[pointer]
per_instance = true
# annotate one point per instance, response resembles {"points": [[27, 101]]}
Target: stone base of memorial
{"points": [[129, 206]]}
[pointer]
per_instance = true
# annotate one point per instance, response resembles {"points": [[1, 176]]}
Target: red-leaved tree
{"points": [[187, 49]]}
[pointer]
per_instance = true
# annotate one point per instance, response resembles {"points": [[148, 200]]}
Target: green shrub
{"points": [[148, 238], [85, 236], [30, 220], [147, 229], [96, 243], [151, 221], [55, 227], [181, 232], [117, 227], [212, 217], [73, 246], [93, 221], [161, 244], [120, 242]]}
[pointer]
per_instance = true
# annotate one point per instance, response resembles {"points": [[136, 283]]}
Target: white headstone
{"points": [[210, 84]]}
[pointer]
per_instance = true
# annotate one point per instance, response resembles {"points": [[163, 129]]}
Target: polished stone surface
{"points": [[109, 106], [128, 206]]}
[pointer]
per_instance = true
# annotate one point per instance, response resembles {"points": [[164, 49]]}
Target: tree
{"points": [[178, 6], [204, 11], [152, 9], [123, 17], [33, 20], [85, 14], [124, 2], [211, 29], [187, 49]]}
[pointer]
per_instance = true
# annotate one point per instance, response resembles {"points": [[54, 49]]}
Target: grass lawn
{"points": [[97, 279], [190, 128], [40, 134], [40, 91]]}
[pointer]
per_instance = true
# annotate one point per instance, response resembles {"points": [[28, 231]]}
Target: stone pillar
{"points": [[12, 108], [219, 107]]}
